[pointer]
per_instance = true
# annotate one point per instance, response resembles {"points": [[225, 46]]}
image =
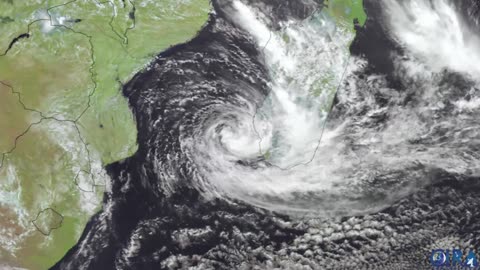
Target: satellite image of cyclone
{"points": [[296, 134], [241, 165]]}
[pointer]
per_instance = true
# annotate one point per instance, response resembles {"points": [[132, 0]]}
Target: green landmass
{"points": [[62, 115], [346, 14], [347, 11]]}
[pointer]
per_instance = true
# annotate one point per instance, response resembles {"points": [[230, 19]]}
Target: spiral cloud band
{"points": [[276, 138]]}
